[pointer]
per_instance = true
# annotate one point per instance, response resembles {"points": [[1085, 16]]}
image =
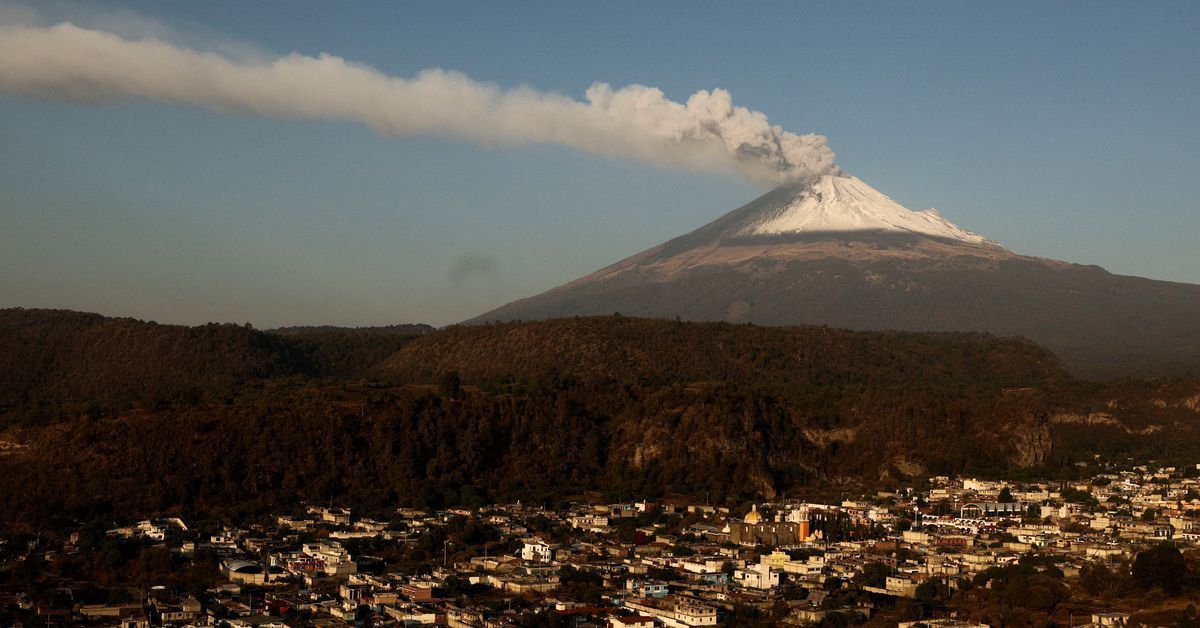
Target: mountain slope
{"points": [[64, 356], [634, 408], [841, 204], [59, 356], [631, 350], [836, 252]]}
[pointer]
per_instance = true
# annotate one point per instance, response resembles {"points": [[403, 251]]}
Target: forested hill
{"points": [[50, 357], [61, 356], [378, 330], [222, 418], [348, 352], [58, 356], [655, 351]]}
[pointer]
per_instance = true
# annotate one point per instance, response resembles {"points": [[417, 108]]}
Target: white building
{"points": [[759, 576], [537, 550]]}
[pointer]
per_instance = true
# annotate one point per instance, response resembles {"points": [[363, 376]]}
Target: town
{"points": [[1111, 549]]}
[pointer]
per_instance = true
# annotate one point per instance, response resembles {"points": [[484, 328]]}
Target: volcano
{"points": [[834, 251]]}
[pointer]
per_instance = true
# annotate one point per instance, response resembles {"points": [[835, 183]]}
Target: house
{"points": [[989, 510], [176, 610], [334, 559], [676, 613], [941, 623], [101, 611], [632, 621], [811, 567], [591, 523], [336, 516], [138, 620], [418, 591], [225, 540], [294, 523], [901, 586], [257, 621], [688, 613], [537, 550], [647, 588], [759, 576], [153, 530]]}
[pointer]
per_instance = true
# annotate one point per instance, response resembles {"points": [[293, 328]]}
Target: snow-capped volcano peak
{"points": [[842, 203]]}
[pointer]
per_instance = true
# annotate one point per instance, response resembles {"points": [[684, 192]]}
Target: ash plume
{"points": [[708, 133]]}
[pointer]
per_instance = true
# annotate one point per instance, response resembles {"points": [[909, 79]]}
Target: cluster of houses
{"points": [[669, 563]]}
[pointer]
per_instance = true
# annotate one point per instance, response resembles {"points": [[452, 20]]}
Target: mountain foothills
{"points": [[105, 417], [52, 356], [834, 251]]}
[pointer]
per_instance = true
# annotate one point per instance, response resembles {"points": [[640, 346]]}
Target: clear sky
{"points": [[1061, 129]]}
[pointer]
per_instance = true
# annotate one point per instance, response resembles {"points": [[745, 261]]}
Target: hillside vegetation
{"points": [[540, 411], [54, 357], [650, 351]]}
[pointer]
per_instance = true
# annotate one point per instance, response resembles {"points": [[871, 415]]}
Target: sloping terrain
{"points": [[544, 410], [651, 351], [861, 261], [50, 357], [62, 356]]}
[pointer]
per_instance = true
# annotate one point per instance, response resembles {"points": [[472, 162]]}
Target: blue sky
{"points": [[1064, 130]]}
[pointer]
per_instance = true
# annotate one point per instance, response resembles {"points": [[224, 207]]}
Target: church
{"points": [[753, 529]]}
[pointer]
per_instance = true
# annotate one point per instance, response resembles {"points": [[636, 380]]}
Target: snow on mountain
{"points": [[836, 252], [841, 203]]}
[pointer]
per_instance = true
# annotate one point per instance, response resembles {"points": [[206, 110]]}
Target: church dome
{"points": [[753, 517]]}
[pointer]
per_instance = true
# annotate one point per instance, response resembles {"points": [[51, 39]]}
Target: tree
{"points": [[580, 586], [1187, 619], [1076, 496], [1153, 598], [682, 550], [743, 615], [1006, 496], [542, 618], [1100, 581], [1160, 566], [873, 574], [94, 411], [931, 592], [450, 384]]}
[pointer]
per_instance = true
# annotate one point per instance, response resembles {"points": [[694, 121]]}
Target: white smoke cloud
{"points": [[707, 133]]}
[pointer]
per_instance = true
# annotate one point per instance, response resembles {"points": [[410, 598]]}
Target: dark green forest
{"points": [[114, 418]]}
